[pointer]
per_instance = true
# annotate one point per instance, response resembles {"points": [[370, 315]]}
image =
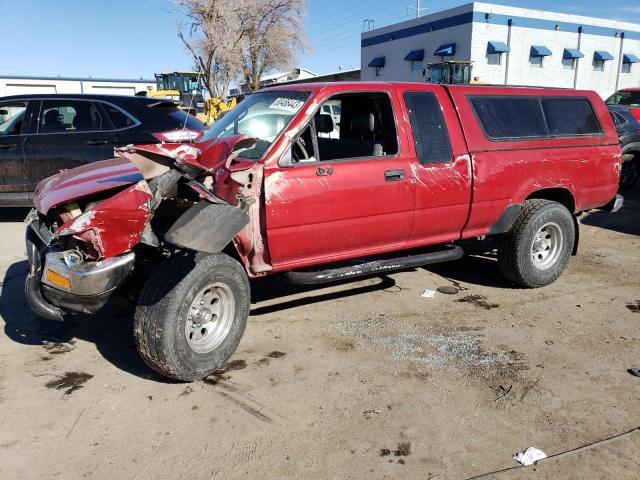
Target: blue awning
{"points": [[497, 47], [415, 56], [630, 58], [447, 50], [600, 55], [539, 51], [377, 62], [572, 53]]}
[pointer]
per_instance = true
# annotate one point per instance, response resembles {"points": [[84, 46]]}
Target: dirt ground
{"points": [[362, 380]]}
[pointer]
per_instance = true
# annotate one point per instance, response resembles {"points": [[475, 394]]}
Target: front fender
{"points": [[114, 226]]}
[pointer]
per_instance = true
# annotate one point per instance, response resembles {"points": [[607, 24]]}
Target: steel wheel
{"points": [[547, 246], [210, 317]]}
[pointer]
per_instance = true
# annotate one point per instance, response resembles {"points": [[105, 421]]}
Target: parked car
{"points": [[43, 134], [628, 129], [628, 98], [416, 169]]}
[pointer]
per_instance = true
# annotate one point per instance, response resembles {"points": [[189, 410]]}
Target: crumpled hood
{"points": [[80, 182]]}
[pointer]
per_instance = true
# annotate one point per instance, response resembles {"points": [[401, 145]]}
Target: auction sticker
{"points": [[291, 105]]}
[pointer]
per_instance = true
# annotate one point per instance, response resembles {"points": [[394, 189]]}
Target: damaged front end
{"points": [[95, 225], [80, 249]]}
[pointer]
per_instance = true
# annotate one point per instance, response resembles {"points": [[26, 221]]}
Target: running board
{"points": [[374, 267]]}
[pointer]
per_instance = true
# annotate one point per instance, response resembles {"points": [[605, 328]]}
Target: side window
{"points": [[570, 116], [430, 132], [364, 127], [12, 117], [117, 117], [69, 116], [510, 117], [507, 118]]}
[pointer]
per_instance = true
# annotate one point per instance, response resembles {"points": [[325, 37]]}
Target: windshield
{"points": [[182, 82], [624, 98], [262, 116]]}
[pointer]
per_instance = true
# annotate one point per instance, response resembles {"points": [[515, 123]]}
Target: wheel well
{"points": [[560, 195]]}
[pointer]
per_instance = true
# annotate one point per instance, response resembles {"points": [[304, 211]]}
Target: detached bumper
{"points": [[59, 283]]}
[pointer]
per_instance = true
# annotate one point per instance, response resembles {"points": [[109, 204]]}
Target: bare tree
{"points": [[233, 39], [272, 34], [209, 30]]}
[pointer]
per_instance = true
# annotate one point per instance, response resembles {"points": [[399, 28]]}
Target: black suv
{"points": [[628, 129], [43, 134]]}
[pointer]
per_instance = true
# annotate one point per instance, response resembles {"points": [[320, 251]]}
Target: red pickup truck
{"points": [[394, 179]]}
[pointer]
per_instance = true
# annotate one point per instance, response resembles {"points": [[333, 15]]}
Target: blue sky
{"points": [[135, 38]]}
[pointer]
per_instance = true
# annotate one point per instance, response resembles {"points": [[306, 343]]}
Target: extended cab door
{"points": [[66, 134], [440, 167], [342, 192]]}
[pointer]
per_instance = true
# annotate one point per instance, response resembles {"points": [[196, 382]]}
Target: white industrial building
{"points": [[21, 85], [509, 45]]}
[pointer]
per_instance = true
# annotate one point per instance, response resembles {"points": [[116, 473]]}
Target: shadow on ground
{"points": [[627, 220], [476, 269], [111, 330], [17, 214]]}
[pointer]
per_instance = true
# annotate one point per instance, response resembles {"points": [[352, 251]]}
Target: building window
{"points": [[378, 71], [494, 58], [569, 63], [536, 61], [417, 66], [626, 68], [598, 65]]}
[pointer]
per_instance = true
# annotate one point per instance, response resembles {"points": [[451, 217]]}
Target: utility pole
{"points": [[416, 8]]}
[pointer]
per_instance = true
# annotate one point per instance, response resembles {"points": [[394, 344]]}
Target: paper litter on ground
{"points": [[530, 456]]}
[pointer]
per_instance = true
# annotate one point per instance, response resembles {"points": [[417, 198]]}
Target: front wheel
{"points": [[191, 315], [537, 248]]}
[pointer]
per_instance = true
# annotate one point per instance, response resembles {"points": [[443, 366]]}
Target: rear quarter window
{"points": [[430, 133], [523, 117], [180, 118], [570, 116], [118, 118]]}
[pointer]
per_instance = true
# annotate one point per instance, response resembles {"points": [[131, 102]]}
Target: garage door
{"points": [[113, 90], [26, 88]]}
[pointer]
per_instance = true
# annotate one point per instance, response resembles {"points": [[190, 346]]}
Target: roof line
{"points": [[77, 79]]}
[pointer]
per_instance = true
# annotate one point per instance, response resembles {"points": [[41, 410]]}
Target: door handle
{"points": [[96, 142], [323, 172], [393, 175]]}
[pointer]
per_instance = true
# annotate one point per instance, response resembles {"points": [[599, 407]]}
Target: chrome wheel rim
{"points": [[210, 317], [547, 246]]}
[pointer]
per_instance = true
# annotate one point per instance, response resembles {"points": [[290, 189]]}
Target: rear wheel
{"points": [[536, 250], [630, 173], [191, 315]]}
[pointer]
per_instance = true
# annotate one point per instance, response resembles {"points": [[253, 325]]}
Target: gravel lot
{"points": [[361, 380]]}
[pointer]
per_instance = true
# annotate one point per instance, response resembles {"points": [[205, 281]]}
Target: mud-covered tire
{"points": [[630, 174], [518, 249], [164, 309]]}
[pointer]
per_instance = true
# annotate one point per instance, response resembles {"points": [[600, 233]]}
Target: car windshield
{"points": [[625, 98], [262, 116]]}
